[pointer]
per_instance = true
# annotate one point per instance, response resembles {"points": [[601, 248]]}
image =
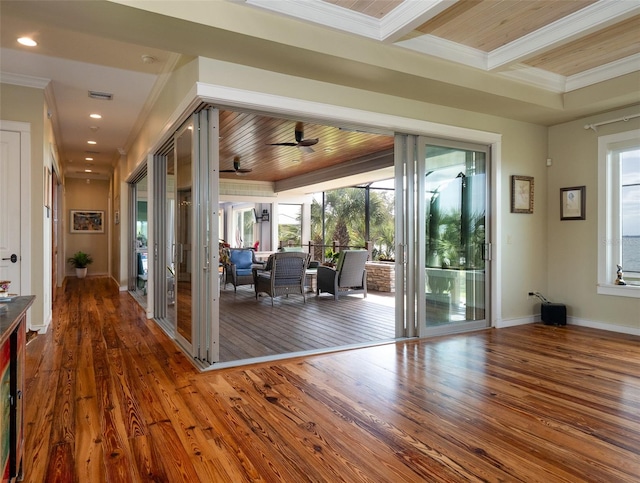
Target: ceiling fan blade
{"points": [[299, 132], [308, 142], [283, 144], [243, 170], [227, 170]]}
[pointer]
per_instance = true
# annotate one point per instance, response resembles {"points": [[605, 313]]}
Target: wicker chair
{"points": [[239, 269], [348, 277], [285, 274]]}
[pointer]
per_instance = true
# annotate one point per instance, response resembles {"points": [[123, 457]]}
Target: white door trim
{"points": [[24, 128]]}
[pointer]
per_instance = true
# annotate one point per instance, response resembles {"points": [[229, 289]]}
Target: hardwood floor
{"points": [[110, 398], [253, 328]]}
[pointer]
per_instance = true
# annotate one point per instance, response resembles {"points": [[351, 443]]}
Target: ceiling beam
{"points": [[579, 24], [365, 164]]}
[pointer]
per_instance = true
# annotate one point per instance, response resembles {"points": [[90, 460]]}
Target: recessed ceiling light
{"points": [[95, 116], [88, 159], [91, 142], [87, 171], [27, 42]]}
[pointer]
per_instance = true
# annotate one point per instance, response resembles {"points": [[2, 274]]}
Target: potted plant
{"points": [[79, 261]]}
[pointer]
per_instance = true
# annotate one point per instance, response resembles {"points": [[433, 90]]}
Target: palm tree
{"points": [[344, 218]]}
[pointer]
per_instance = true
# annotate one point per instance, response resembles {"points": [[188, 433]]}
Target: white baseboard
{"points": [[593, 324], [502, 323], [121, 288], [42, 329], [603, 326]]}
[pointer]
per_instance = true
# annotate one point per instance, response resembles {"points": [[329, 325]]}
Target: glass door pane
{"points": [[142, 235], [183, 235], [455, 220]]}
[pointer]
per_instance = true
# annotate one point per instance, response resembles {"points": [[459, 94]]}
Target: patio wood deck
{"points": [[252, 328]]}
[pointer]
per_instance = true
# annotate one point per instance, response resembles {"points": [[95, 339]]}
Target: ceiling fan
{"points": [[301, 143], [236, 168]]}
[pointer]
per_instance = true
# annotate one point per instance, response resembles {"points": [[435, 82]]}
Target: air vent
{"points": [[92, 152], [103, 96]]}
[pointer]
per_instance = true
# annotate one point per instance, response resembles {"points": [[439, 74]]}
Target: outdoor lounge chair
{"points": [[239, 269], [348, 277], [286, 275]]}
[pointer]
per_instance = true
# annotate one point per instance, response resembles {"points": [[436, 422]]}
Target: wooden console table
{"points": [[13, 339]]}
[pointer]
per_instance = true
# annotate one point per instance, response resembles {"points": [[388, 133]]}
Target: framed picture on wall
{"points": [[86, 221], [521, 194], [572, 203]]}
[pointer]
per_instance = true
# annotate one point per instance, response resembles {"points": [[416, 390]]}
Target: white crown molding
{"points": [[325, 14], [536, 77], [409, 15], [578, 24], [445, 49], [24, 80], [604, 72]]}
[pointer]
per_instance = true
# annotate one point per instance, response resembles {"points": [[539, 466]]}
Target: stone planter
{"points": [[381, 276], [81, 272]]}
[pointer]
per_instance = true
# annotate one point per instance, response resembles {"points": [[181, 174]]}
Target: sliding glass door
{"points": [[184, 227], [443, 231], [453, 191]]}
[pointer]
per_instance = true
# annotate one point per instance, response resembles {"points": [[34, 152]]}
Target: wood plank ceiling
{"points": [[249, 135]]}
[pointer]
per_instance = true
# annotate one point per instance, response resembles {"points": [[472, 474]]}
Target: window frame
{"points": [[609, 216]]}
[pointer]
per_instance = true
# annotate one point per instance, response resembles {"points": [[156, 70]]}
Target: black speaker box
{"points": [[553, 314]]}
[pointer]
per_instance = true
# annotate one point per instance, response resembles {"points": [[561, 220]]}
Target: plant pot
{"points": [[81, 272]]}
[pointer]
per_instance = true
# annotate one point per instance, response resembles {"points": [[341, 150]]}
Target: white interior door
{"points": [[10, 209]]}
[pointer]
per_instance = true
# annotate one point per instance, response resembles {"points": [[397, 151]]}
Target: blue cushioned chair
{"points": [[239, 270]]}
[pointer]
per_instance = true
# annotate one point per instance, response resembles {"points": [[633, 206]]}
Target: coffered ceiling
{"points": [[530, 60], [556, 45]]}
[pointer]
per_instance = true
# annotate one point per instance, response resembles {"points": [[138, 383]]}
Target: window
{"points": [[290, 224], [619, 213], [244, 221], [630, 213]]}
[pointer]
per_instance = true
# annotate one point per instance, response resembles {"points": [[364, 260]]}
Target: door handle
{"points": [[13, 258]]}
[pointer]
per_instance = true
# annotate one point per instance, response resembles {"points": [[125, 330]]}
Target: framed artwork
{"points": [[87, 221], [521, 194], [572, 203]]}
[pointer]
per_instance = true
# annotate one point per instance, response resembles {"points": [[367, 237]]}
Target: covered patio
{"points": [[251, 328]]}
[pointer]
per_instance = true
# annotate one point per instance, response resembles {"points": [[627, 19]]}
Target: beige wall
{"points": [[93, 196], [162, 115], [573, 245]]}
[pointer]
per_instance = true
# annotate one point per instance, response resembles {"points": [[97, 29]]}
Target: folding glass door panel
{"points": [[182, 258], [452, 186], [164, 287], [141, 237], [138, 255]]}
